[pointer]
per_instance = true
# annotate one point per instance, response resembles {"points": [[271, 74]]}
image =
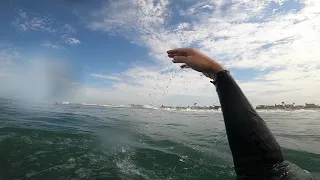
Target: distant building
{"points": [[311, 106], [279, 106], [299, 107], [270, 107], [288, 106]]}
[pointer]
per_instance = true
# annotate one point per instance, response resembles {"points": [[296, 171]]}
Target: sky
{"points": [[114, 52]]}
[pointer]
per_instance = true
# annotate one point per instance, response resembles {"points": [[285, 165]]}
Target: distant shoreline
{"points": [[292, 106], [286, 107]]}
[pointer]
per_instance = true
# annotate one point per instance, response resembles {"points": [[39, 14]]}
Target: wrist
{"points": [[214, 69], [212, 74]]}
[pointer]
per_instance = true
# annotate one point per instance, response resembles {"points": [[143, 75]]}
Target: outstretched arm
{"points": [[254, 149]]}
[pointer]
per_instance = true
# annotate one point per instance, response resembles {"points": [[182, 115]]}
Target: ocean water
{"points": [[122, 143]]}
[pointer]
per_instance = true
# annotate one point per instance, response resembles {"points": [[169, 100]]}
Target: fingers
{"points": [[180, 51], [180, 59], [172, 55], [173, 51], [184, 66]]}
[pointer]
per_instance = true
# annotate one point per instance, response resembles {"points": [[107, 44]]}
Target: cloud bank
{"points": [[277, 38]]}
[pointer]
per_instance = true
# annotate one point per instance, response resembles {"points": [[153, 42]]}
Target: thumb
{"points": [[180, 59]]}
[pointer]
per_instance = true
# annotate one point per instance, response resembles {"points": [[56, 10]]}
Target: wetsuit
{"points": [[256, 153]]}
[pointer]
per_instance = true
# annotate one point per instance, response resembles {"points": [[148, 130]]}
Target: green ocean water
{"points": [[92, 142]]}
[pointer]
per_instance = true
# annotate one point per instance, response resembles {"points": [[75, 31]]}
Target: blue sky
{"points": [[115, 51]]}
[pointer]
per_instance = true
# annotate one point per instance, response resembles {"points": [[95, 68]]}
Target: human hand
{"points": [[194, 59]]}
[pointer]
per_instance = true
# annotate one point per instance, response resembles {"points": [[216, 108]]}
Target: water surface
{"points": [[91, 142]]}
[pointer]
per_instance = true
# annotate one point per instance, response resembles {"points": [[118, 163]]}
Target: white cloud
{"points": [[22, 14], [242, 34], [106, 77], [36, 23], [72, 41], [51, 45], [67, 28], [146, 86], [143, 22], [47, 24]]}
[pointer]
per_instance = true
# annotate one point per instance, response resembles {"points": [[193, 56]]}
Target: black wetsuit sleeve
{"points": [[254, 149]]}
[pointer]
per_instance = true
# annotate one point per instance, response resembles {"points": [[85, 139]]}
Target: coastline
{"points": [[293, 106], [282, 107]]}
